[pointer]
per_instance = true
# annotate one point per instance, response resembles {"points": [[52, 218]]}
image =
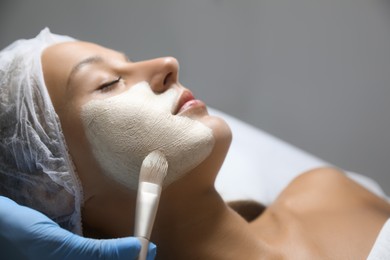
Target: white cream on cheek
{"points": [[125, 128]]}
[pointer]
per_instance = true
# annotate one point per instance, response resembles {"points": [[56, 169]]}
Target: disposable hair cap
{"points": [[35, 167]]}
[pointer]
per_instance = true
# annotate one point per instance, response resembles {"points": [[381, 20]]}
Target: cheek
{"points": [[74, 133], [71, 125], [122, 133]]}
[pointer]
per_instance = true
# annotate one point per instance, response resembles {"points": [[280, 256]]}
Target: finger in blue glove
{"points": [[38, 237]]}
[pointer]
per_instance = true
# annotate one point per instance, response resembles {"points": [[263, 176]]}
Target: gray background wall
{"points": [[313, 73]]}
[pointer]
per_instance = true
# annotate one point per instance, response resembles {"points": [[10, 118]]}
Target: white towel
{"points": [[381, 248], [259, 166]]}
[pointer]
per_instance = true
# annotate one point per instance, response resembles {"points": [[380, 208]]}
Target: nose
{"points": [[161, 73]]}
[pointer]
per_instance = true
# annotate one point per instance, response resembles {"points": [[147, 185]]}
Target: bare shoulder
{"points": [[329, 187], [324, 175], [320, 210]]}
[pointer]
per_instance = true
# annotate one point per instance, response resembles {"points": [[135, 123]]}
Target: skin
{"points": [[320, 215]]}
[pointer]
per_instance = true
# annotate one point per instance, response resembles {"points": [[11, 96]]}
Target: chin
{"points": [[221, 130], [223, 137], [208, 169]]}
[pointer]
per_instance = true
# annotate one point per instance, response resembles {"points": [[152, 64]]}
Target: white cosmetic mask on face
{"points": [[124, 129]]}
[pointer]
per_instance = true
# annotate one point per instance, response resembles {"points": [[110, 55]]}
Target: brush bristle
{"points": [[154, 168]]}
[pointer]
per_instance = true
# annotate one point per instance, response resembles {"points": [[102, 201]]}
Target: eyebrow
{"points": [[78, 66], [88, 61]]}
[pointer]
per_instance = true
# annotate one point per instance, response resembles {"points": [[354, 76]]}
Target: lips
{"points": [[184, 101]]}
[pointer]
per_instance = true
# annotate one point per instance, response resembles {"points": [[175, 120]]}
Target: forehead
{"points": [[71, 53], [77, 46], [59, 60]]}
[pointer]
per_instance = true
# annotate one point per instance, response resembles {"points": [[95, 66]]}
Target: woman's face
{"points": [[118, 111]]}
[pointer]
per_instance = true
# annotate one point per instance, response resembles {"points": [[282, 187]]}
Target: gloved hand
{"points": [[38, 237]]}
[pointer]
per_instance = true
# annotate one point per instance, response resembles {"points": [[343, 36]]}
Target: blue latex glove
{"points": [[38, 237]]}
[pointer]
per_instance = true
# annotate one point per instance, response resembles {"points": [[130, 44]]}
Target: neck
{"points": [[197, 224], [192, 222]]}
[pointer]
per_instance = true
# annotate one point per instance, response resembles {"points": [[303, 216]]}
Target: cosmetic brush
{"points": [[153, 171]]}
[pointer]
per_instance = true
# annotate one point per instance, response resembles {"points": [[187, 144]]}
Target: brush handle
{"points": [[148, 198], [144, 248], [147, 203]]}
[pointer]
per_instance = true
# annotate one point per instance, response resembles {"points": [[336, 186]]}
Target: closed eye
{"points": [[109, 85]]}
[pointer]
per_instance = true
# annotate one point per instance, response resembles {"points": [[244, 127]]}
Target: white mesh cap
{"points": [[35, 167]]}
